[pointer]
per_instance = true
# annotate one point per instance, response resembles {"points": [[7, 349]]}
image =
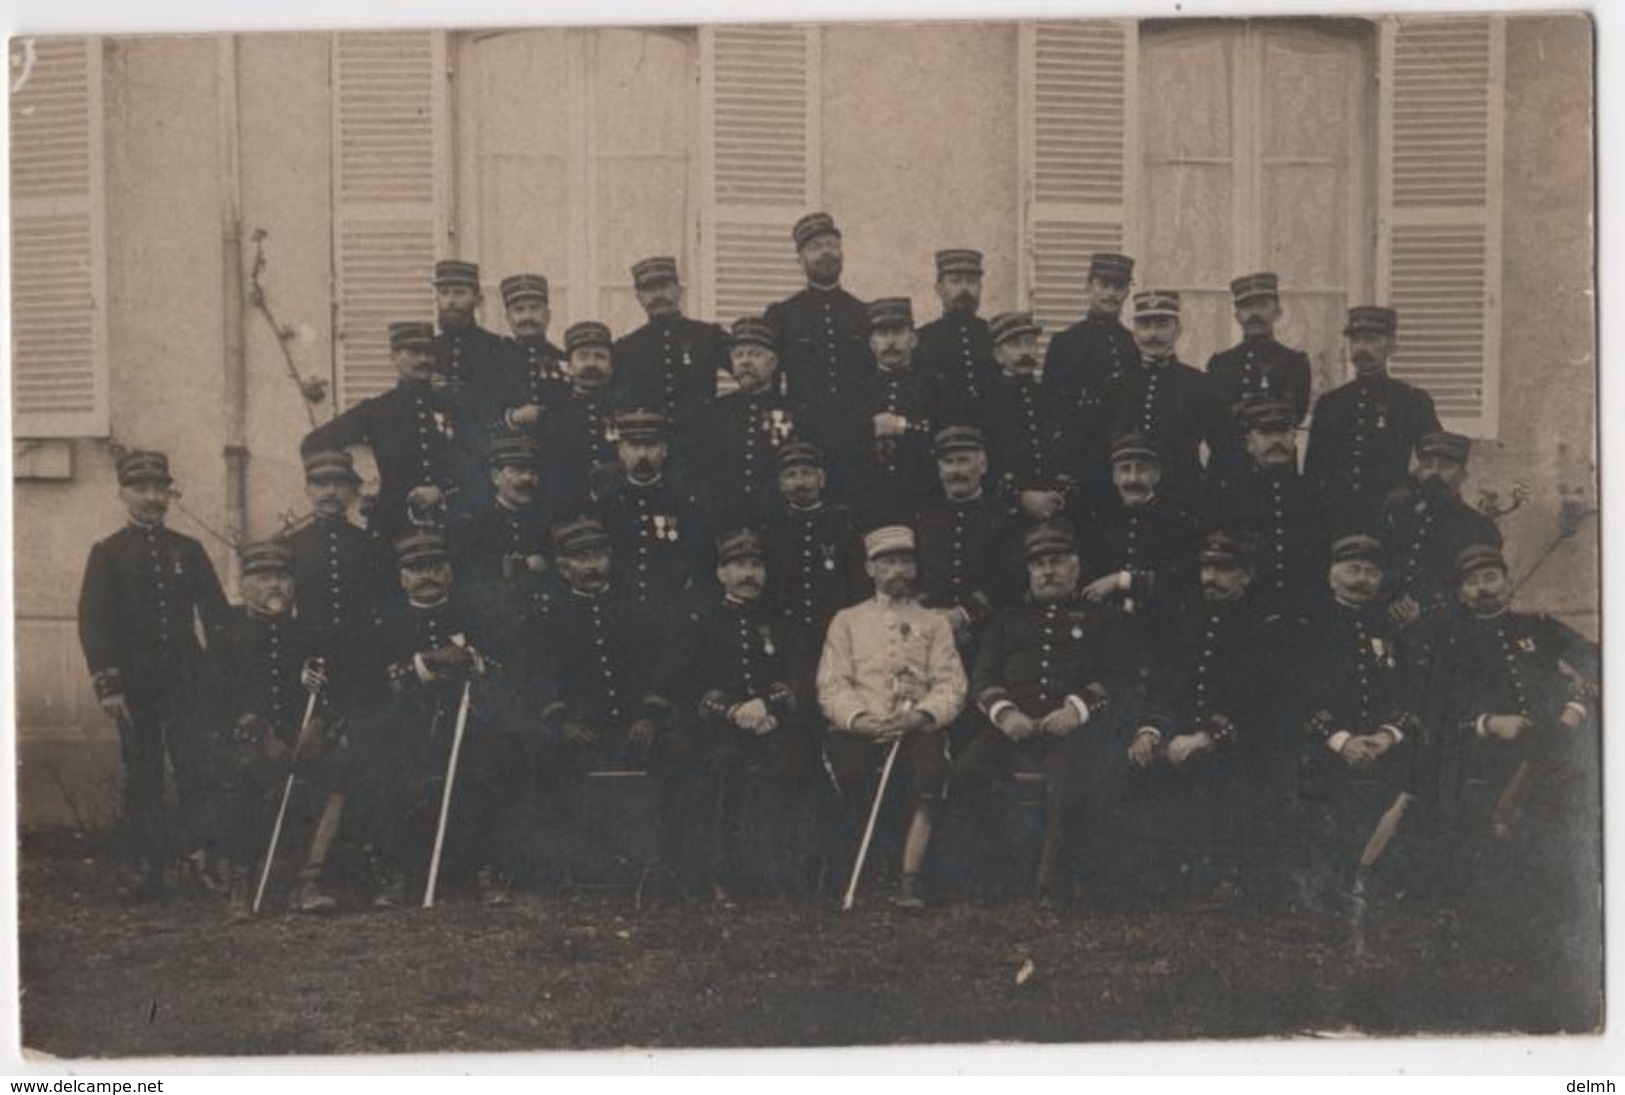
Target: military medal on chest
{"points": [[778, 426], [664, 526], [829, 555]]}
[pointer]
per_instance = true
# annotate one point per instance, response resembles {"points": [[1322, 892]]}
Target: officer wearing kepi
{"points": [[823, 338], [267, 702], [1430, 525], [473, 360], [578, 434], [671, 363], [145, 590], [1267, 495], [534, 377], [340, 570], [1081, 359], [753, 676], [896, 411], [655, 523], [1361, 440], [1036, 444], [1177, 408], [1259, 365], [738, 438], [418, 436], [956, 347], [1043, 679], [814, 554]]}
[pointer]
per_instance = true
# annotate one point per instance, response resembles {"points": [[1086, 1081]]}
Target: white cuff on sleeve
{"points": [[1394, 730], [853, 719], [1577, 707], [1124, 580], [1483, 726], [998, 709], [1152, 730], [421, 669], [1080, 707]]}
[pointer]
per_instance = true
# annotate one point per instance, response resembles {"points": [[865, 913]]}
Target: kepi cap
{"points": [[812, 226], [1008, 325], [138, 466], [523, 287], [453, 272], [887, 540]]}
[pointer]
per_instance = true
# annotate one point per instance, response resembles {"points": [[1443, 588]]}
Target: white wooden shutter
{"points": [[58, 252], [390, 190], [760, 166], [1078, 87], [1439, 209]]}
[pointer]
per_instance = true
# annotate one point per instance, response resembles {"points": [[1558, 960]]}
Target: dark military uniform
{"points": [[1155, 543], [1216, 665], [659, 538], [534, 373], [1427, 527], [1348, 675], [670, 364], [1288, 520], [1039, 657], [957, 351], [1360, 445], [743, 652], [578, 437], [736, 441], [968, 556], [1088, 355], [604, 666], [145, 589], [1034, 441], [823, 337], [893, 474], [1258, 367], [814, 564], [343, 580], [404, 743], [418, 437], [1177, 408]]}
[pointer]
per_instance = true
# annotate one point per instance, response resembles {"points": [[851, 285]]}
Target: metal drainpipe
{"points": [[232, 292]]}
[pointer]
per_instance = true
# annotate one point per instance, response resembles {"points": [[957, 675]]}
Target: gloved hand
{"points": [[1101, 589], [750, 715], [1041, 504], [1507, 727], [1144, 748], [1060, 722], [1404, 611], [1015, 724], [1187, 748], [451, 662], [521, 418], [313, 675], [889, 425], [425, 498], [577, 732]]}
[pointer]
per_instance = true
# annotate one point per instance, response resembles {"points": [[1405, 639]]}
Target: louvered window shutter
{"points": [[390, 164], [1078, 85], [58, 251], [761, 166], [1439, 232]]}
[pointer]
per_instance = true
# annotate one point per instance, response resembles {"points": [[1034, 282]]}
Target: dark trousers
{"points": [[854, 762], [990, 758], [784, 757], [156, 736]]}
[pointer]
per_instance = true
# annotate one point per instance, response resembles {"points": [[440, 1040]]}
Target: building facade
{"points": [[197, 220]]}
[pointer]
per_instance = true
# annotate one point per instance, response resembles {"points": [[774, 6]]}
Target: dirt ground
{"points": [[588, 970]]}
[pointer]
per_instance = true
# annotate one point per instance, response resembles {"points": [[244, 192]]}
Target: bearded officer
{"points": [[1361, 440], [1430, 526], [146, 589], [823, 338], [671, 363], [956, 347], [889, 672], [471, 358]]}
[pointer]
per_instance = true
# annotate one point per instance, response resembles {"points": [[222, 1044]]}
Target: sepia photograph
{"points": [[802, 535]]}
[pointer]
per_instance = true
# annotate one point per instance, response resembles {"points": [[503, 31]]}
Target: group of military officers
{"points": [[826, 545]]}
